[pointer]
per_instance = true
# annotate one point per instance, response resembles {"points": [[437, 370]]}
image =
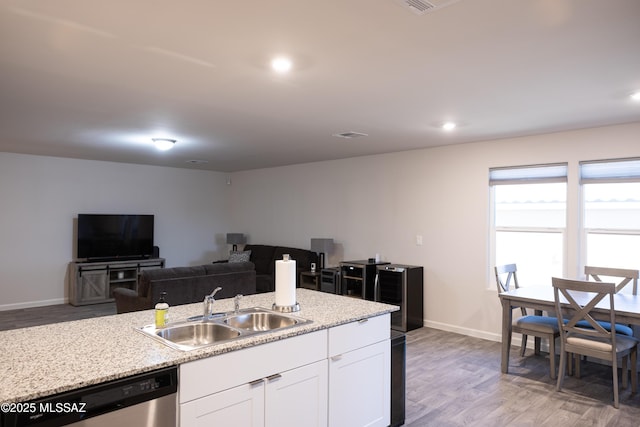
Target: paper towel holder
{"points": [[286, 308]]}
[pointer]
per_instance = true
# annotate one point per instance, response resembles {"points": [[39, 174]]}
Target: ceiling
{"points": [[97, 80]]}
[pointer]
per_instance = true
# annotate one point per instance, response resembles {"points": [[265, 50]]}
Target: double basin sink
{"points": [[197, 333]]}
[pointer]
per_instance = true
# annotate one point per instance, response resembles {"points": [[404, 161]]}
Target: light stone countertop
{"points": [[49, 359]]}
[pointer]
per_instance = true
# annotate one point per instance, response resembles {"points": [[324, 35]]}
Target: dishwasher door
{"points": [[145, 400], [159, 412]]}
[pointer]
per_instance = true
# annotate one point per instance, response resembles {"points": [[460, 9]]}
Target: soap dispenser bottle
{"points": [[162, 312]]}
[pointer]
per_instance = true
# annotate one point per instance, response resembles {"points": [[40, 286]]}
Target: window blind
{"points": [[534, 174], [602, 171]]}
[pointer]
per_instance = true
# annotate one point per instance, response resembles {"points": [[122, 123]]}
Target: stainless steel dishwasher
{"points": [[144, 400]]}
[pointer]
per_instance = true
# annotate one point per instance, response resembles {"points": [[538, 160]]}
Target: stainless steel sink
{"points": [[191, 335], [195, 333], [260, 321]]}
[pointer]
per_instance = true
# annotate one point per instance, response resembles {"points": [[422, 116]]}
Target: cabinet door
{"points": [[298, 397], [359, 387], [92, 285], [241, 406]]}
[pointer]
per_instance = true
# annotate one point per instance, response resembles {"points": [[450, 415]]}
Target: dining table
{"points": [[541, 298]]}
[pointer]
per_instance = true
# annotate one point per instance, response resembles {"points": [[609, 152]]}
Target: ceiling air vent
{"points": [[349, 135], [420, 7]]}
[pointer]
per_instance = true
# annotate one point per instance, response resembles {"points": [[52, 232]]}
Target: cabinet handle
{"points": [[336, 358], [363, 320], [256, 382], [274, 377]]}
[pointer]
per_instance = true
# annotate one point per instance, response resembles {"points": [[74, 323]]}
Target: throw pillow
{"points": [[239, 256]]}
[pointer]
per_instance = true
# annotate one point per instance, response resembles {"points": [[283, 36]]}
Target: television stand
{"points": [[93, 282], [118, 258]]}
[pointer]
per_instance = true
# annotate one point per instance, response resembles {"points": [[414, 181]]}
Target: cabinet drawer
{"points": [[355, 335], [206, 376]]}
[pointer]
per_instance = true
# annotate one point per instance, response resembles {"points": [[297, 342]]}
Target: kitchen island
{"points": [[51, 359]]}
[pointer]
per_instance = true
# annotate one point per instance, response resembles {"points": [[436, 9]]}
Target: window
{"points": [[611, 213], [529, 220]]}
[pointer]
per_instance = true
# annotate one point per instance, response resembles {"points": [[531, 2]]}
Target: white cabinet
{"points": [[359, 381], [276, 384], [335, 377], [289, 399], [239, 406], [297, 397], [360, 373]]}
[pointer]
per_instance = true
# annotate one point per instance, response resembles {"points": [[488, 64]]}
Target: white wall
{"points": [[369, 205], [41, 196], [378, 204]]}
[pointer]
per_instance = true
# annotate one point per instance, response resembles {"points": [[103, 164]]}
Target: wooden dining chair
{"points": [[541, 327], [625, 277], [575, 305]]}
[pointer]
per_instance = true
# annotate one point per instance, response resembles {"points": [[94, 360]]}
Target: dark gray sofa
{"points": [[185, 285], [264, 257]]}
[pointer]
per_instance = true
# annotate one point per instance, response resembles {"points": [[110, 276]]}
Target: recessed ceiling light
{"points": [[449, 126], [281, 64], [163, 144], [635, 96]]}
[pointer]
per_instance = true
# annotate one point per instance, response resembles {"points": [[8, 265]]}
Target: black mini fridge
{"points": [[401, 285]]}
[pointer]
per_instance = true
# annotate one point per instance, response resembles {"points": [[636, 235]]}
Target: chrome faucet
{"points": [[236, 303], [208, 304]]}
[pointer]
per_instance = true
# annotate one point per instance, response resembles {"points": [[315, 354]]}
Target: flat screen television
{"points": [[104, 236]]}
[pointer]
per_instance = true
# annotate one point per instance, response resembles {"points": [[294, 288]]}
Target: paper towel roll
{"points": [[285, 282]]}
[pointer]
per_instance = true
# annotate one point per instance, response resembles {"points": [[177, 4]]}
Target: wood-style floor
{"points": [[455, 380], [35, 316]]}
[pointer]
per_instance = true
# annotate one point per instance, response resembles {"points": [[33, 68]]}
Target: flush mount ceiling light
{"points": [[448, 126], [349, 134], [281, 64], [163, 144], [635, 96]]}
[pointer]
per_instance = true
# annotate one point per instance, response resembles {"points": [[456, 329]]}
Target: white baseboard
{"points": [[516, 339], [464, 331], [17, 306]]}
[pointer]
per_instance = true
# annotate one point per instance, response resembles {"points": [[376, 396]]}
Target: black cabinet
{"points": [[402, 285], [330, 280], [398, 377], [358, 278], [310, 280]]}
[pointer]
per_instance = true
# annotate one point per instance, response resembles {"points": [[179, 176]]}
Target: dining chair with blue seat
{"points": [[625, 277], [575, 301], [542, 327]]}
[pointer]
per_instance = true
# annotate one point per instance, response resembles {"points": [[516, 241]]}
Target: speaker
{"points": [[156, 252]]}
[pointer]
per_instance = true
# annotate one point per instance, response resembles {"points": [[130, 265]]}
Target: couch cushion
{"points": [[228, 267], [264, 283], [194, 289], [262, 257], [166, 273], [175, 272]]}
